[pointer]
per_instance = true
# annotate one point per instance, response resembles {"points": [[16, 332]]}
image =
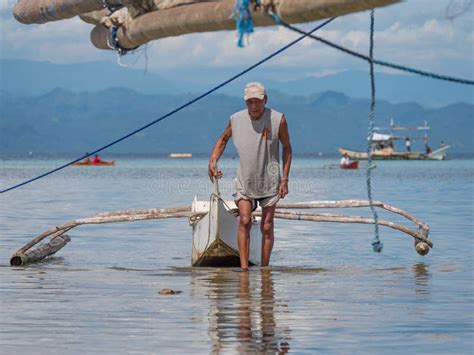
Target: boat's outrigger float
{"points": [[215, 222]]}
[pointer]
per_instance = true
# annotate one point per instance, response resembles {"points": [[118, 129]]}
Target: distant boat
{"points": [[351, 165], [180, 155], [90, 163], [384, 148]]}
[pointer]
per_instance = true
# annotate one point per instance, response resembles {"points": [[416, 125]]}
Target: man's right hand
{"points": [[213, 172], [217, 152]]}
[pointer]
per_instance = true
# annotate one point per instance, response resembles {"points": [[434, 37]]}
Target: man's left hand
{"points": [[283, 190]]}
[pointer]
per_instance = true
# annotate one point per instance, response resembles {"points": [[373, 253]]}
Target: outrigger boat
{"points": [[180, 155], [215, 234], [215, 224], [350, 165], [91, 163], [214, 228], [383, 146]]}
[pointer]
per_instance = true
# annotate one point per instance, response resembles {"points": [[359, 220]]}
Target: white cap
{"points": [[254, 90]]}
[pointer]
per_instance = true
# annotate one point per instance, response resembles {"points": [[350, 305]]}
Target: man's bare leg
{"points": [[266, 227], [243, 235]]}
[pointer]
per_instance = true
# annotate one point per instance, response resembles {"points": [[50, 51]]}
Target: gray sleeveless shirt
{"points": [[258, 146]]}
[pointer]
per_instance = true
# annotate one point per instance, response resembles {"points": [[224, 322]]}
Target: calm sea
{"points": [[326, 292]]}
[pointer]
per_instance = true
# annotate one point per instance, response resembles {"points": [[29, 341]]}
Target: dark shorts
{"points": [[263, 202]]}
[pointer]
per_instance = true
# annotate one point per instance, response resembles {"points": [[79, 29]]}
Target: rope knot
{"points": [[115, 44]]}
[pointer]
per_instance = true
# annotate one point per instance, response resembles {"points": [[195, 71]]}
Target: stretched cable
{"points": [[375, 61]]}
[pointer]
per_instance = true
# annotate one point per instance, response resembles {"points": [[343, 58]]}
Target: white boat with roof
{"points": [[384, 145]]}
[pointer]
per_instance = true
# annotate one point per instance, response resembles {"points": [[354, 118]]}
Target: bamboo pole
{"points": [[327, 217], [146, 211], [94, 17], [42, 11], [354, 204], [209, 17], [34, 255]]}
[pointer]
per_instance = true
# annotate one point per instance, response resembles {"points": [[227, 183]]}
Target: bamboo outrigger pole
{"points": [[422, 241], [23, 255], [59, 239]]}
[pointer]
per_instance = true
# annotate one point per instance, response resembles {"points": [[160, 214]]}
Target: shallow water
{"points": [[326, 291]]}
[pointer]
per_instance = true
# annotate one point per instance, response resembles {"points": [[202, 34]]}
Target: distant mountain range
{"points": [[26, 77], [35, 78], [63, 121]]}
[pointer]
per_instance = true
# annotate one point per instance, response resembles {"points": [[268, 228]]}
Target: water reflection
{"points": [[244, 316], [422, 277]]}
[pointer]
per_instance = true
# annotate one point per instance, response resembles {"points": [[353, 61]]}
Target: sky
{"points": [[417, 33]]}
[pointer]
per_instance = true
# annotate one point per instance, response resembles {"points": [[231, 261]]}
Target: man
{"points": [[96, 159], [408, 144], [345, 159], [256, 133]]}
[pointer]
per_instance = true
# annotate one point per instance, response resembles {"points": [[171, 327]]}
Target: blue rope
{"points": [[376, 243], [375, 61], [189, 103], [243, 19], [114, 41]]}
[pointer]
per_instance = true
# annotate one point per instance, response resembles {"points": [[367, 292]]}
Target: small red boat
{"points": [[351, 165], [91, 163]]}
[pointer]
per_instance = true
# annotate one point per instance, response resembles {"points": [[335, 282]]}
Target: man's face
{"points": [[256, 107]]}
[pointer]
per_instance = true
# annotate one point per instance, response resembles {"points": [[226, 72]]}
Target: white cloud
{"points": [[59, 41], [323, 73], [7, 4]]}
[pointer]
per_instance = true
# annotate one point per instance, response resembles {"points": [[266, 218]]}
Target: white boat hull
{"points": [[215, 235], [439, 154]]}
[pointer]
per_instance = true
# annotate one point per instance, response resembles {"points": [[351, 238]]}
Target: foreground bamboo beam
{"points": [[209, 17], [94, 17], [145, 211], [42, 11]]}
